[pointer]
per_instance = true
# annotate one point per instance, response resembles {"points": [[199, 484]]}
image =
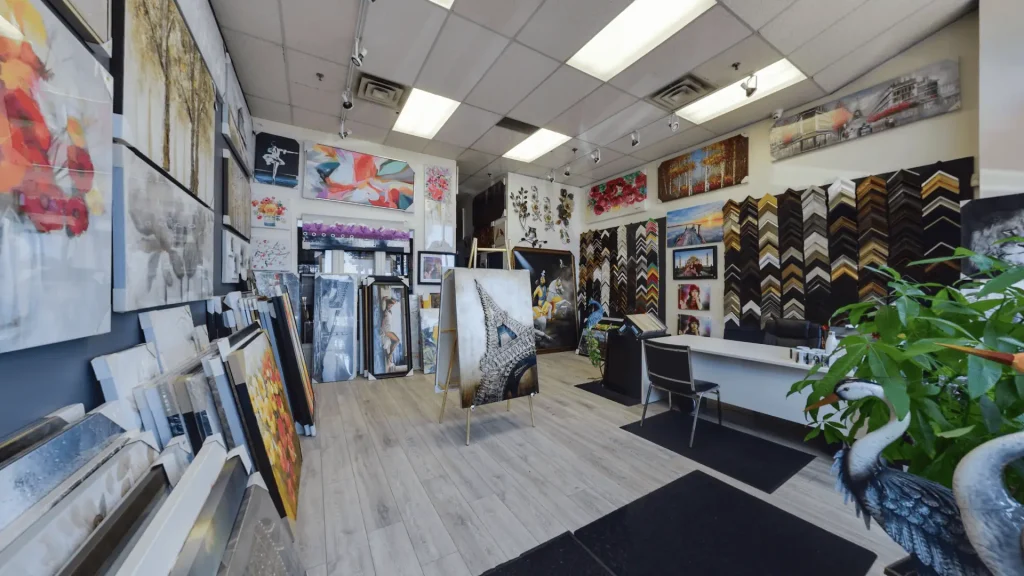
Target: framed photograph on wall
{"points": [[695, 263], [431, 265]]}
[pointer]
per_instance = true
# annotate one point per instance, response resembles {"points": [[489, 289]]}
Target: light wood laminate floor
{"points": [[387, 490]]}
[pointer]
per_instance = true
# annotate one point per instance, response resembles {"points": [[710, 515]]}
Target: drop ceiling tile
{"points": [[560, 28], [636, 116], [804, 20], [320, 28], [675, 145], [561, 90], [872, 19], [757, 13], [514, 75], [406, 141], [753, 54], [366, 132], [616, 167], [592, 110], [443, 150], [586, 164], [466, 125], [498, 141], [911, 30], [504, 165], [649, 135], [322, 101], [303, 69], [315, 120], [791, 99], [578, 181], [463, 53], [564, 154], [398, 37], [373, 114], [268, 109], [708, 35], [259, 64], [472, 161], [503, 16], [257, 18], [474, 185]]}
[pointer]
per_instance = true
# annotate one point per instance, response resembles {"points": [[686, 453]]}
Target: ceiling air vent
{"points": [[517, 126], [680, 93], [382, 92]]}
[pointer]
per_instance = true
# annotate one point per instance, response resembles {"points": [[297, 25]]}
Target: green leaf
{"points": [[812, 434], [1013, 341], [956, 433], [990, 414], [907, 308], [896, 392], [1016, 239], [888, 321], [1002, 282], [1018, 382], [949, 327], [935, 260], [982, 375], [932, 410]]}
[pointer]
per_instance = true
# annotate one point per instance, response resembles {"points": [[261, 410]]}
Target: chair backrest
{"points": [[791, 333], [669, 366]]}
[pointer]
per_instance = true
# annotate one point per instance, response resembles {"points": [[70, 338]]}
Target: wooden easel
{"points": [[455, 344]]}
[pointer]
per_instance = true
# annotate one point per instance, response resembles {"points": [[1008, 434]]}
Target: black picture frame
{"points": [[367, 303], [420, 267], [703, 254], [542, 259]]}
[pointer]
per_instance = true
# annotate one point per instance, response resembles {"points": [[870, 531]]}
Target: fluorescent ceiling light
{"points": [[424, 114], [446, 4], [637, 30], [778, 76], [538, 144]]}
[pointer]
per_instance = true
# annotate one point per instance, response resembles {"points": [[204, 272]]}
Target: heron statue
{"points": [[919, 514]]}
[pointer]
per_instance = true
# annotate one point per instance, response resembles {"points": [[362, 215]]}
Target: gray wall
{"points": [[37, 381]]}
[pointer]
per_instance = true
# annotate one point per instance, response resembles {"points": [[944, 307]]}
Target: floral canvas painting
{"points": [[713, 167], [439, 209], [166, 253], [622, 195], [55, 199], [167, 96], [271, 254], [346, 176], [269, 212], [268, 419]]}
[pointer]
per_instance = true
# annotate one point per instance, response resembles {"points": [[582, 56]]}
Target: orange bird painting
{"points": [[357, 178]]}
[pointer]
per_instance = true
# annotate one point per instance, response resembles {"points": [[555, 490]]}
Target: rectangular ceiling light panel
{"points": [[540, 143], [637, 30], [778, 76], [446, 4], [424, 114]]}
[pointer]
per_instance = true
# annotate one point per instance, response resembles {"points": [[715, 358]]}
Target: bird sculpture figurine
{"points": [[919, 514]]}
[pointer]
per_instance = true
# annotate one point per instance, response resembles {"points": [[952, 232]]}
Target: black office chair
{"points": [[791, 333], [669, 369]]}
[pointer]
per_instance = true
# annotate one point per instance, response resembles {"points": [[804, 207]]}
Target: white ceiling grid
{"points": [[507, 58]]}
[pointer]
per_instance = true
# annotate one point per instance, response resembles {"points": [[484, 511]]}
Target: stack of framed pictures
{"points": [[386, 337], [335, 327], [553, 296], [293, 366]]}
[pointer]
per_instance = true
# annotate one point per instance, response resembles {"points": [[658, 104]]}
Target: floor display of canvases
{"points": [[387, 341], [55, 273], [335, 327], [553, 295]]}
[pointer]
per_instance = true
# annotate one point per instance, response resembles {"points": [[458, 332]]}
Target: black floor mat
{"points": [[701, 525], [597, 388], [563, 556], [761, 463]]}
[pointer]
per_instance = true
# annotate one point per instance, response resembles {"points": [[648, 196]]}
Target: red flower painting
{"points": [[619, 193]]}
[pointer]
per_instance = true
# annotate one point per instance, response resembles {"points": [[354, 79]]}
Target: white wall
{"points": [[297, 205], [1002, 97], [514, 231], [946, 137]]}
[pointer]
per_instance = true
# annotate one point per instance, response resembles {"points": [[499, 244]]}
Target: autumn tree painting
{"points": [[168, 97], [715, 166]]}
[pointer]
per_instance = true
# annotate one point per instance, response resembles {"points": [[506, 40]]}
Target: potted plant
{"points": [[956, 401]]}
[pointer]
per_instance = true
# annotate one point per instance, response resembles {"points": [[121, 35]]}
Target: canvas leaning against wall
{"points": [[930, 91], [387, 338], [713, 167], [167, 96], [553, 296], [335, 343], [356, 178], [165, 254], [55, 208]]}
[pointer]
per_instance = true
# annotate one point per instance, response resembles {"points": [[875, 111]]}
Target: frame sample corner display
{"points": [[274, 444], [166, 94], [293, 365], [55, 212], [163, 246], [553, 296], [430, 265], [342, 175], [496, 345], [386, 331], [335, 327]]}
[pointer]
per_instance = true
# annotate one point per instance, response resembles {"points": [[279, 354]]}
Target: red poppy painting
{"points": [[357, 178], [618, 196]]}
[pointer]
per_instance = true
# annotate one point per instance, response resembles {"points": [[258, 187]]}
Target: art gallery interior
{"points": [[461, 287]]}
